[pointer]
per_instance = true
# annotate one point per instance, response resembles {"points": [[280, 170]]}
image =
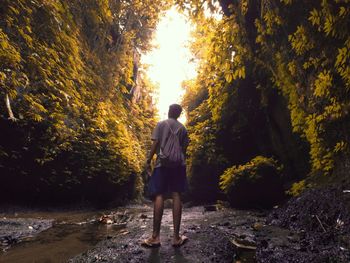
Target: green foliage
{"points": [[315, 84], [297, 188], [301, 49], [257, 182], [83, 110], [233, 111], [251, 171]]}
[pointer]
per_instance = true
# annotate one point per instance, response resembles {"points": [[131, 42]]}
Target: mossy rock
{"points": [[255, 184]]}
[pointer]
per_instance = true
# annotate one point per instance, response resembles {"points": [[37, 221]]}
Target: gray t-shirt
{"points": [[161, 132]]}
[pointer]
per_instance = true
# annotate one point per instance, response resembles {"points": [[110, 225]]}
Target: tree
{"points": [[68, 74]]}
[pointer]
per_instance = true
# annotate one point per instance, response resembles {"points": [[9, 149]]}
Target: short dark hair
{"points": [[174, 111]]}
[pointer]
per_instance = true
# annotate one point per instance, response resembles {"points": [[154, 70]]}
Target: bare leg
{"points": [[157, 217], [177, 211]]}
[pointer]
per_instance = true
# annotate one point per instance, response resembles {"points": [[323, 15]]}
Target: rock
{"points": [[143, 216], [118, 225], [124, 232], [209, 208], [222, 204], [292, 238], [257, 226], [106, 219], [293, 218], [264, 243], [226, 224], [243, 243], [137, 252], [345, 240], [14, 230]]}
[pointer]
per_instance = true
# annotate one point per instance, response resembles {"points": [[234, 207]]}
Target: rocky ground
{"points": [[217, 234], [211, 235], [320, 221], [314, 227], [14, 230]]}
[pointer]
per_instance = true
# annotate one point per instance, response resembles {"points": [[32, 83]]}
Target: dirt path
{"points": [[210, 234]]}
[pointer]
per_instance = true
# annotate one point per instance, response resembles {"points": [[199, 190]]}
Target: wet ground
{"points": [[320, 221], [60, 235], [306, 229], [80, 237], [210, 238]]}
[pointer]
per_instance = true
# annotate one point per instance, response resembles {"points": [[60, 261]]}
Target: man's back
{"points": [[162, 131], [166, 179]]}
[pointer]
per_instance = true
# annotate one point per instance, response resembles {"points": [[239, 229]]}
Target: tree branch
{"points": [[9, 110]]}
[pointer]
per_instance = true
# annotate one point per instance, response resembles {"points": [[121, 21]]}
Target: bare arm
{"points": [[185, 143], [152, 151]]}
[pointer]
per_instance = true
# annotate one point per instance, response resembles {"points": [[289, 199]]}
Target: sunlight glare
{"points": [[170, 63]]}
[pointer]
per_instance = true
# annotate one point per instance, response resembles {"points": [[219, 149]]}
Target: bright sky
{"points": [[169, 63]]}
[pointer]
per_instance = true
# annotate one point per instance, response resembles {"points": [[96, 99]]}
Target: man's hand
{"points": [[151, 154], [148, 163], [148, 167], [149, 160]]}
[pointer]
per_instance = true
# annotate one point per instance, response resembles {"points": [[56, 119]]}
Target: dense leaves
{"points": [[76, 110], [309, 42], [256, 183], [270, 68], [235, 111], [273, 80]]}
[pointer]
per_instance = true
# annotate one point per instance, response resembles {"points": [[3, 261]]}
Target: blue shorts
{"points": [[167, 180]]}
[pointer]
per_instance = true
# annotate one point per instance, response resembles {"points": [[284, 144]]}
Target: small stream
{"points": [[75, 232], [62, 241]]}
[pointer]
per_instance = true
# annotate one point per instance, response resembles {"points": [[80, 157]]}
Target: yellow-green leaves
{"points": [[287, 2], [244, 6], [300, 41], [9, 55], [342, 63], [314, 75], [328, 26], [67, 68], [249, 172], [340, 146], [228, 77], [272, 21], [297, 188], [315, 17], [322, 84]]}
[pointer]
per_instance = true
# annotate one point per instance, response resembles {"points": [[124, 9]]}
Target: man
{"points": [[166, 179]]}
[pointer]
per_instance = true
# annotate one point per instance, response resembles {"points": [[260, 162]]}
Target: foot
{"points": [[151, 242], [178, 242]]}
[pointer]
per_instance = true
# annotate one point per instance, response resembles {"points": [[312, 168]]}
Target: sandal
{"points": [[149, 244], [183, 240]]}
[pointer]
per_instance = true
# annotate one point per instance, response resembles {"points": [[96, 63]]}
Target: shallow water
{"points": [[74, 233], [61, 242]]}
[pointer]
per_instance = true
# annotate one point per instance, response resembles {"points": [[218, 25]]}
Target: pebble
{"points": [[210, 208], [143, 216], [137, 252]]}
